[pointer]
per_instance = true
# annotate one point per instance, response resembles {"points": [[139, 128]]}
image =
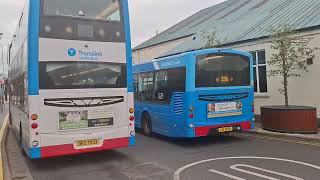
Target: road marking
{"points": [[236, 167], [178, 171], [2, 131], [226, 175]]}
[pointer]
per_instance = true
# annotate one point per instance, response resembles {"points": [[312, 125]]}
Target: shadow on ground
{"points": [[197, 142]]}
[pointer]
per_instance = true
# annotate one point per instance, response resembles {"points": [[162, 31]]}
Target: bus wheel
{"points": [[146, 125]]}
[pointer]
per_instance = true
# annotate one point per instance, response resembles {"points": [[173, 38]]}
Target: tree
{"points": [[210, 39], [289, 59]]}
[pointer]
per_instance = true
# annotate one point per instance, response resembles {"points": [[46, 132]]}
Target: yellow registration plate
{"points": [[89, 142], [225, 129]]}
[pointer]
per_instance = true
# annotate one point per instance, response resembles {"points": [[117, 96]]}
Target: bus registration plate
{"points": [[225, 129], [224, 109], [87, 143]]}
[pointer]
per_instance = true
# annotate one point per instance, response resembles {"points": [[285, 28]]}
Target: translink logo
{"points": [[85, 55], [72, 52]]}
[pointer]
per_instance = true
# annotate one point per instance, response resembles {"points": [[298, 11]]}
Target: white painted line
{"points": [[226, 175], [236, 167], [178, 171]]}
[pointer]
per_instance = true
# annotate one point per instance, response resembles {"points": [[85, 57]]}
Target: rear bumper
{"points": [[205, 130], [68, 149]]}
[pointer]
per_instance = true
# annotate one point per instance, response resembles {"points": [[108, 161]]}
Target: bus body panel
{"points": [[52, 106], [33, 47], [57, 50], [244, 95]]}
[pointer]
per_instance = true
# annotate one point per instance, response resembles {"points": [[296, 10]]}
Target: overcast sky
{"points": [[147, 16]]}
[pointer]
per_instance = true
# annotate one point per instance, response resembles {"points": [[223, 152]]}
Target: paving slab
{"points": [[18, 167]]}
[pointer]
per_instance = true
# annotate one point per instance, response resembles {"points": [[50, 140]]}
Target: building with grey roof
{"points": [[245, 25]]}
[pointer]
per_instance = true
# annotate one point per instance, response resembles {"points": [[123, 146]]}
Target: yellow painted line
{"points": [[288, 140], [2, 136]]}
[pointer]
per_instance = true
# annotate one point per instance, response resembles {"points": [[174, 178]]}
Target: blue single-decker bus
{"points": [[196, 93]]}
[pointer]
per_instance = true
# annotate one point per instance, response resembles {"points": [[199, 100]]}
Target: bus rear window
{"points": [[108, 10], [222, 70], [82, 75], [83, 20]]}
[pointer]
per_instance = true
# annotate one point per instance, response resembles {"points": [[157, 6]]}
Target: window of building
{"points": [[260, 71]]}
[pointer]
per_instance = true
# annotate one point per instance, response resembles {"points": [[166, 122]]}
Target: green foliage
{"points": [[289, 59], [210, 39]]}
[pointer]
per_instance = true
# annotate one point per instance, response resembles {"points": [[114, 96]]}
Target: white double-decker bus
{"points": [[70, 77]]}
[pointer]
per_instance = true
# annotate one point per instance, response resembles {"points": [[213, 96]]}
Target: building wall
{"points": [[143, 55], [302, 91]]}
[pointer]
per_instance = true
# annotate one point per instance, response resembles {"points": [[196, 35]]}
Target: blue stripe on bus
{"points": [[132, 141], [128, 44], [35, 153], [33, 47]]}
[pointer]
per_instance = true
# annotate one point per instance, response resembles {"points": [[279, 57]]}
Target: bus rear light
{"points": [[34, 117], [131, 110], [191, 108], [35, 143], [34, 125], [132, 133], [131, 118], [191, 116]]}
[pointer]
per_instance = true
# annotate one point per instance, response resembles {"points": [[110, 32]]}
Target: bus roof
{"points": [[173, 61]]}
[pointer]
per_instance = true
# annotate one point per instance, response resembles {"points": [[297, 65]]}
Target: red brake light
{"points": [[34, 125], [191, 116]]}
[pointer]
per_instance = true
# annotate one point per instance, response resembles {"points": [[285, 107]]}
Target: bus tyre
{"points": [[146, 125]]}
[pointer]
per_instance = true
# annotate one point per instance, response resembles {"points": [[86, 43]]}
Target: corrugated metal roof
{"points": [[240, 20]]}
